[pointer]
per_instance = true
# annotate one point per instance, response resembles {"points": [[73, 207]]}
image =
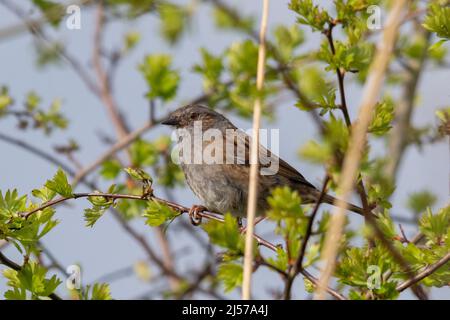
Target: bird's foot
{"points": [[194, 214]]}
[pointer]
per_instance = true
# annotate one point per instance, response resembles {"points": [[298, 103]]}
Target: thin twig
{"points": [[40, 35], [181, 209], [105, 90], [119, 145], [344, 108], [282, 68], [40, 22], [254, 164], [298, 265], [423, 274]]}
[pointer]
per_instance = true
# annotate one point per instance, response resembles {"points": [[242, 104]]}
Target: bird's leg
{"points": [[257, 220], [196, 219]]}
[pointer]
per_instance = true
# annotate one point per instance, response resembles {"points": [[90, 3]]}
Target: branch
{"points": [[11, 264], [40, 35], [38, 152], [52, 203], [400, 133], [298, 265], [344, 108], [281, 66], [119, 145], [181, 209], [81, 178], [102, 78], [358, 138], [425, 273], [38, 23], [127, 140], [254, 150]]}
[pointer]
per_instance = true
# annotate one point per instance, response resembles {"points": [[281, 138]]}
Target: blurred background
{"points": [[107, 252]]}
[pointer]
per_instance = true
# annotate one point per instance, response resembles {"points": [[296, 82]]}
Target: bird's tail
{"points": [[332, 200]]}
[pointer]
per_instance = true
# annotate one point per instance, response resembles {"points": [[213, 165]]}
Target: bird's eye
{"points": [[194, 116]]}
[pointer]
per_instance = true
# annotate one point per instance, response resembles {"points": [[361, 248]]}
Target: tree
{"points": [[376, 259]]}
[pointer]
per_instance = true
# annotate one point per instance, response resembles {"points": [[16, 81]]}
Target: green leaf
{"points": [[45, 194], [437, 45], [226, 234], [313, 84], [418, 202], [161, 79], [315, 152], [281, 261], [134, 8], [211, 69], [140, 175], [31, 277], [99, 291], [16, 294], [99, 205], [381, 122], [438, 20], [5, 99], [225, 19], [242, 58], [435, 227], [173, 20], [91, 215], [169, 174], [310, 14], [143, 153], [361, 268], [49, 53], [131, 39], [288, 39], [231, 275], [110, 169], [309, 286], [59, 184], [53, 11], [284, 203], [158, 213]]}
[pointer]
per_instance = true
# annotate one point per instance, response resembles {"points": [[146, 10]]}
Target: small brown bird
{"points": [[222, 185]]}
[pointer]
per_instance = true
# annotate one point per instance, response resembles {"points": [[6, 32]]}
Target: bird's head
{"points": [[186, 116]]}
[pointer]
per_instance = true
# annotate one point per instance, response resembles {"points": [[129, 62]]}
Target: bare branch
{"points": [[254, 150]]}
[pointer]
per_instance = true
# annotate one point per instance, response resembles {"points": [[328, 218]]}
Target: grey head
{"points": [[186, 116]]}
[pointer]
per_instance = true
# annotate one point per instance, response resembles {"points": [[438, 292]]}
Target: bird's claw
{"points": [[194, 214]]}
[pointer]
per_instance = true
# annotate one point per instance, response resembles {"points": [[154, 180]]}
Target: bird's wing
{"points": [[241, 155]]}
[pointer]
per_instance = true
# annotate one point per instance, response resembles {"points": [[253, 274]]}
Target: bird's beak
{"points": [[170, 121]]}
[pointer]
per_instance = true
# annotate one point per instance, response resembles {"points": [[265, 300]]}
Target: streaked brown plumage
{"points": [[223, 187]]}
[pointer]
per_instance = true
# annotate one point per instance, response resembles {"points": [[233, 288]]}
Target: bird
{"points": [[222, 184]]}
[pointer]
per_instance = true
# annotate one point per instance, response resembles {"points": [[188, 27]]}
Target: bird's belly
{"points": [[213, 187]]}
